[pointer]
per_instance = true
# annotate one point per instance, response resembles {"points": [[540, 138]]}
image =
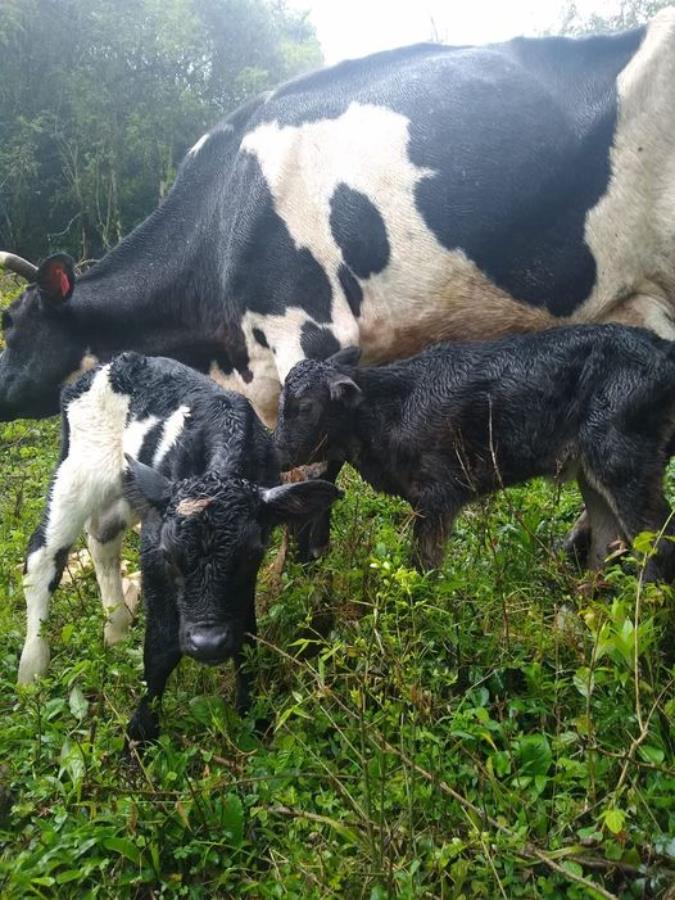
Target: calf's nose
{"points": [[209, 644]]}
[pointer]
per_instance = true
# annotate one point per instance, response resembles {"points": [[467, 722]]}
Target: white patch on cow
{"points": [[365, 148], [87, 363], [197, 146], [631, 230], [173, 428], [264, 388]]}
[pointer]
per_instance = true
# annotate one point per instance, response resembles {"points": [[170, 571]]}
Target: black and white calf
{"points": [[151, 437], [460, 421]]}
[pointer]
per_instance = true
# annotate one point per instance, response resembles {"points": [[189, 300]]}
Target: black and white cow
{"points": [[153, 437], [462, 420], [416, 195]]}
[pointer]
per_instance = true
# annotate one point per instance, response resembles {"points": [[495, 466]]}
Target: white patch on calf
{"points": [[173, 428], [135, 434], [631, 230], [88, 479]]}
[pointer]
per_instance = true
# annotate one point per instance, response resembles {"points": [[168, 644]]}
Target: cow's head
{"points": [[42, 346], [212, 537], [315, 407]]}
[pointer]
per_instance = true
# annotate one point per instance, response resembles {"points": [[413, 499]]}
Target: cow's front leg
{"points": [[243, 678]]}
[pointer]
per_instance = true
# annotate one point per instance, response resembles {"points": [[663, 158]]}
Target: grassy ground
{"points": [[497, 730]]}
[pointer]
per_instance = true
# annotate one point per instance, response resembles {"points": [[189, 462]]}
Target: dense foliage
{"points": [[503, 728], [100, 99], [575, 18]]}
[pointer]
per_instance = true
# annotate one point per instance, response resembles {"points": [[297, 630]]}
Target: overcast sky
{"points": [[349, 28]]}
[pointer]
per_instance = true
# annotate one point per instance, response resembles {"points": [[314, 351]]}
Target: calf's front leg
{"points": [[105, 534], [430, 533], [243, 678], [161, 650]]}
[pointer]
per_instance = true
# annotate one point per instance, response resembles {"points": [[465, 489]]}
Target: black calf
{"points": [[462, 420]]}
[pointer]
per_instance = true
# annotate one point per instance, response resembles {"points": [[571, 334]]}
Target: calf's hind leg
{"points": [[602, 525], [69, 506], [639, 504], [105, 533]]}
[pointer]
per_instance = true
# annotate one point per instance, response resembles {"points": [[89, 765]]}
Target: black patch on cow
{"points": [[359, 231], [260, 337], [517, 135], [268, 272], [352, 289], [520, 154], [318, 343]]}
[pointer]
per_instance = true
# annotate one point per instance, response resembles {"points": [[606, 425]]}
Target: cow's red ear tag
{"points": [[55, 278], [58, 282]]}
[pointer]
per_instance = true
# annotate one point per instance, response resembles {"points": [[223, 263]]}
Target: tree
{"points": [[628, 14], [99, 100]]}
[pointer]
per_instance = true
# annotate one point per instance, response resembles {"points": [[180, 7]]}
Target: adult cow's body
{"points": [[419, 194]]}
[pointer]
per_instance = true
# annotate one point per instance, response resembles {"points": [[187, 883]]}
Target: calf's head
{"points": [[212, 537], [315, 407], [42, 347]]}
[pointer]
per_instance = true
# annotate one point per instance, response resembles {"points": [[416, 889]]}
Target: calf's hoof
{"points": [[116, 626], [34, 661], [143, 727], [576, 545]]}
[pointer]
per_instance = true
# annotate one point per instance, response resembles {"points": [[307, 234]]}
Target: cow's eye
{"points": [[305, 406]]}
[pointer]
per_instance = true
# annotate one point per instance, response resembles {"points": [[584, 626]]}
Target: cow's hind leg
{"points": [[105, 533], [68, 508]]}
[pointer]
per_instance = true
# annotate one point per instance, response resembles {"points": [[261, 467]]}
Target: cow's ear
{"points": [[145, 487], [56, 278], [344, 390], [350, 356], [304, 499]]}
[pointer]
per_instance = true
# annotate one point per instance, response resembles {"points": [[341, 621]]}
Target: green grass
{"points": [[497, 730]]}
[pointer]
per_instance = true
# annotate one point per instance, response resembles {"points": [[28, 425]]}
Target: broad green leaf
{"points": [[533, 755], [78, 703]]}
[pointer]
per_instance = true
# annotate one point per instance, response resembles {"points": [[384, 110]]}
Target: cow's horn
{"points": [[20, 266]]}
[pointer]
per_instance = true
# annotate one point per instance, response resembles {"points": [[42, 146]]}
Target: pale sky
{"points": [[349, 28]]}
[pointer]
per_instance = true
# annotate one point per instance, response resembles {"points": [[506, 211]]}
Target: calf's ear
{"points": [[344, 390], [347, 357], [56, 278], [304, 499], [145, 487]]}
